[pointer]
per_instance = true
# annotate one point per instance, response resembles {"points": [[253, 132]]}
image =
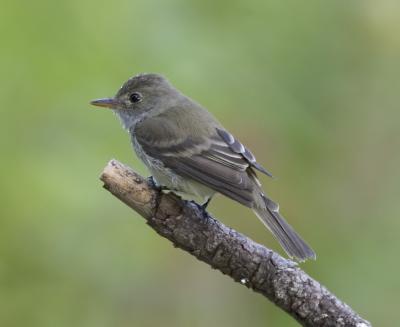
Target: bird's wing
{"points": [[219, 162], [226, 166], [238, 148]]}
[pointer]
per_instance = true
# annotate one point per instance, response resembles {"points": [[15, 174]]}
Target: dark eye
{"points": [[135, 97]]}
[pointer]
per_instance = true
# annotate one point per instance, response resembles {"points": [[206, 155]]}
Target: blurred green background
{"points": [[311, 87]]}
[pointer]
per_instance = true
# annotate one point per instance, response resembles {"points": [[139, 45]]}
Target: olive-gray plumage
{"points": [[187, 150]]}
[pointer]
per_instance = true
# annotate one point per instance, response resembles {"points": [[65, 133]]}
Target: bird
{"points": [[187, 150]]}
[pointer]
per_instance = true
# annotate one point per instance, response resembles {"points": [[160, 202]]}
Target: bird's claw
{"points": [[152, 182]]}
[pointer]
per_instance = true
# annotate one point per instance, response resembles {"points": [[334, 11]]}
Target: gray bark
{"points": [[192, 229]]}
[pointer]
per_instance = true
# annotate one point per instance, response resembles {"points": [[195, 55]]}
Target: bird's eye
{"points": [[135, 97]]}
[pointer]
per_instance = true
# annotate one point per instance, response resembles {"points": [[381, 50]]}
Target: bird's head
{"points": [[141, 96]]}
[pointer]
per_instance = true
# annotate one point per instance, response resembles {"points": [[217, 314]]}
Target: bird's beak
{"points": [[106, 102]]}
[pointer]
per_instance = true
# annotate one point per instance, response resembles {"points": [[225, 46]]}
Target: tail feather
{"points": [[291, 242]]}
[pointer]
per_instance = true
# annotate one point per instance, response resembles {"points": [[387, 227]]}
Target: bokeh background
{"points": [[311, 87]]}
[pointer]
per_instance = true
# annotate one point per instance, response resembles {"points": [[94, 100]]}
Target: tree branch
{"points": [[192, 229]]}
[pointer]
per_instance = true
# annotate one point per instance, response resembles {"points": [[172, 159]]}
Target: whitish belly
{"points": [[188, 188]]}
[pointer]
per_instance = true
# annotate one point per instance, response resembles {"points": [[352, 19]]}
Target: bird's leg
{"points": [[202, 207], [153, 183], [205, 204]]}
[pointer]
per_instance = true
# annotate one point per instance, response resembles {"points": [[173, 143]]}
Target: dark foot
{"points": [[203, 207], [154, 184], [205, 204]]}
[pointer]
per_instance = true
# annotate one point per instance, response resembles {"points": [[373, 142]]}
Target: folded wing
{"points": [[220, 162], [223, 164]]}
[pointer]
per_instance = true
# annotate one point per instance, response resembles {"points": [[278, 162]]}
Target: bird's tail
{"points": [[291, 242]]}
